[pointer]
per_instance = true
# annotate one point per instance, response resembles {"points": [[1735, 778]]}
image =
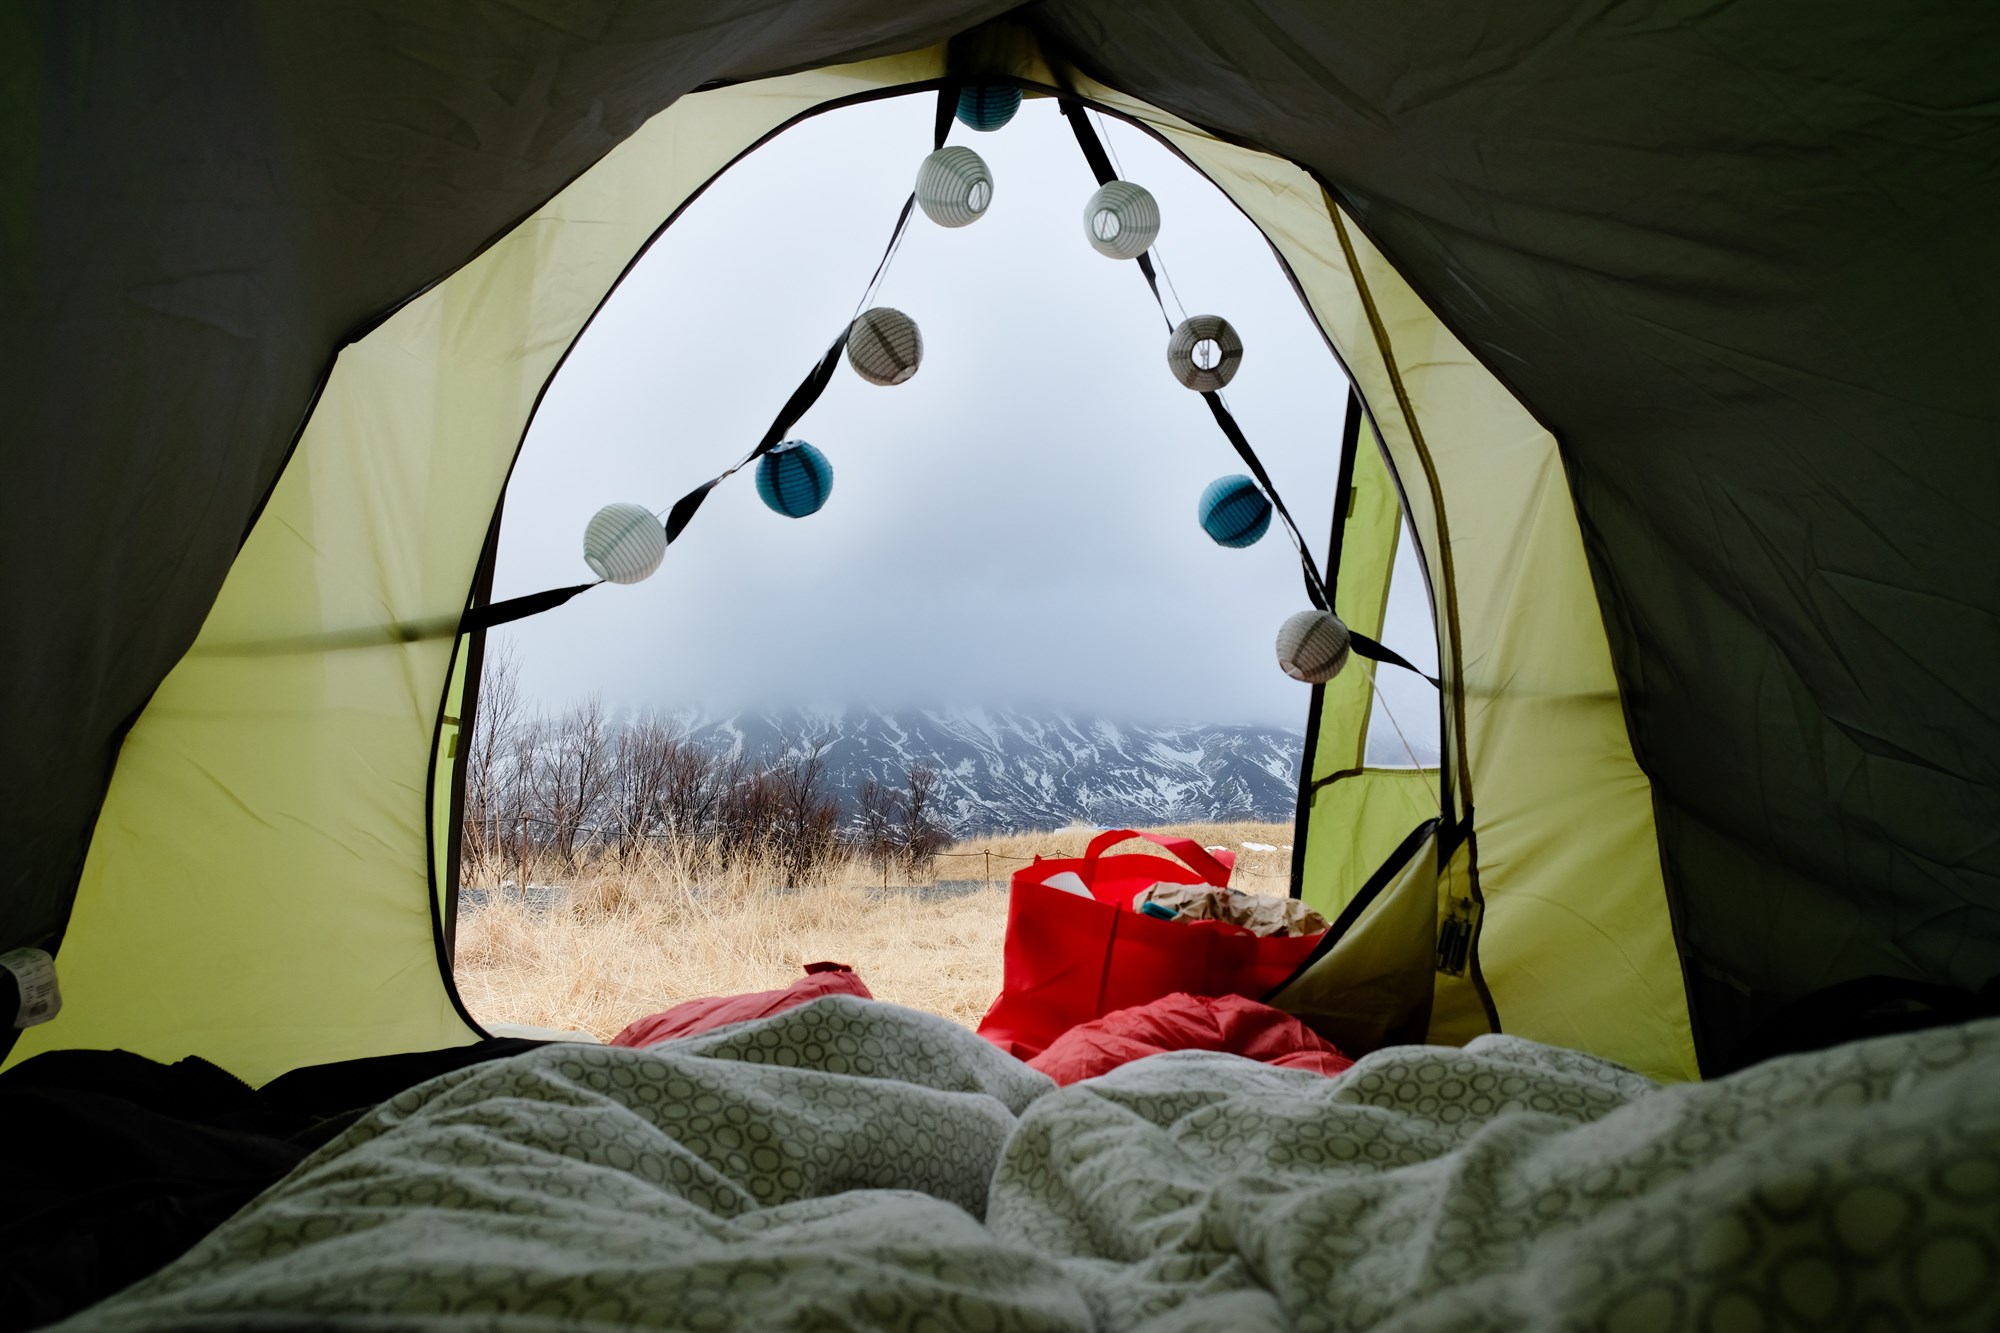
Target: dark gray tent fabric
{"points": [[202, 203], [1741, 260]]}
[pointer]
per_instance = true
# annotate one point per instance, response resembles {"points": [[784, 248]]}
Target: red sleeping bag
{"points": [[690, 1017], [1228, 1023]]}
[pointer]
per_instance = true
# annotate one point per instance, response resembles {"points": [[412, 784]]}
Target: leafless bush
{"points": [[645, 758], [880, 815], [777, 812], [490, 755], [804, 835], [924, 834], [691, 794], [902, 826], [568, 790], [574, 776]]}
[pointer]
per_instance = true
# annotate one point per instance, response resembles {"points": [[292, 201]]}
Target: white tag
{"points": [[1069, 882], [35, 975]]}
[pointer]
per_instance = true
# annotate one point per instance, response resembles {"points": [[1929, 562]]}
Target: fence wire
{"points": [[504, 849]]}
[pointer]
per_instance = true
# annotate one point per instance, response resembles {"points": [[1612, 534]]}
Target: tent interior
{"points": [[1666, 332]]}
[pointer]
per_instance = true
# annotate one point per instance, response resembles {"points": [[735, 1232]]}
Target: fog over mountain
{"points": [[1003, 770]]}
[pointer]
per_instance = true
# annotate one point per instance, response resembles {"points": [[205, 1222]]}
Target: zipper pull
{"points": [[1454, 945]]}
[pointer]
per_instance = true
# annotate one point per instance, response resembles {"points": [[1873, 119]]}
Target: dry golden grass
{"points": [[1256, 871], [614, 944]]}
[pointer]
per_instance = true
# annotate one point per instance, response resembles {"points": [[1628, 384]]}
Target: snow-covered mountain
{"points": [[1001, 771]]}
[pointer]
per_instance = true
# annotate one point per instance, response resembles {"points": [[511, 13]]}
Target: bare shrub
{"points": [[568, 790], [881, 814], [521, 806], [691, 794], [804, 830], [902, 826], [490, 753], [574, 776], [923, 834], [777, 813], [644, 757], [745, 807]]}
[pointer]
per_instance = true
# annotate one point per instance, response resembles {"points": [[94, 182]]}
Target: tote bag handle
{"points": [[1213, 869]]}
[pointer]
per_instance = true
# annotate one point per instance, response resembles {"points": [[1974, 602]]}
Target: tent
{"points": [[1670, 324]]}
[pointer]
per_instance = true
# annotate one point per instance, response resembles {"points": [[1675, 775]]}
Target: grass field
{"points": [[610, 944]]}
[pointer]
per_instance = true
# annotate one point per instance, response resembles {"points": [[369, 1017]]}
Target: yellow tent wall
{"points": [[259, 887]]}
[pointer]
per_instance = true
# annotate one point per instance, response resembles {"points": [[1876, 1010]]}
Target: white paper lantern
{"points": [[1121, 220], [1204, 352], [883, 346], [1313, 646], [954, 187], [624, 543]]}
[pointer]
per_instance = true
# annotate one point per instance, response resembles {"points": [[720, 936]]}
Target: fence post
{"points": [[522, 883], [989, 869]]}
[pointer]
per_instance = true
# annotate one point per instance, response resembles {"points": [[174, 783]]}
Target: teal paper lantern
{"points": [[987, 106], [1234, 512], [795, 479]]}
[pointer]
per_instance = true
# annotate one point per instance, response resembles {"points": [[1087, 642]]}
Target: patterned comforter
{"points": [[852, 1165]]}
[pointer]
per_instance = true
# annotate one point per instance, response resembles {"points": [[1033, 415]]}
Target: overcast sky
{"points": [[1014, 526]]}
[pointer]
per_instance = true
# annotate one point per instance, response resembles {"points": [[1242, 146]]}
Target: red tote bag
{"points": [[1069, 959]]}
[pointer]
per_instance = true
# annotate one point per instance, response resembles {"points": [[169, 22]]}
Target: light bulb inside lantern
{"points": [[1204, 352]]}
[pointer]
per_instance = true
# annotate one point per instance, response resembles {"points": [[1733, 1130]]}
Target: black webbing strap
{"points": [[801, 402], [1100, 167], [1317, 590], [821, 375], [795, 407], [947, 108], [518, 608], [1377, 652]]}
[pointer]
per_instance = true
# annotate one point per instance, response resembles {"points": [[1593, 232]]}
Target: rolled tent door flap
{"points": [[263, 857]]}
